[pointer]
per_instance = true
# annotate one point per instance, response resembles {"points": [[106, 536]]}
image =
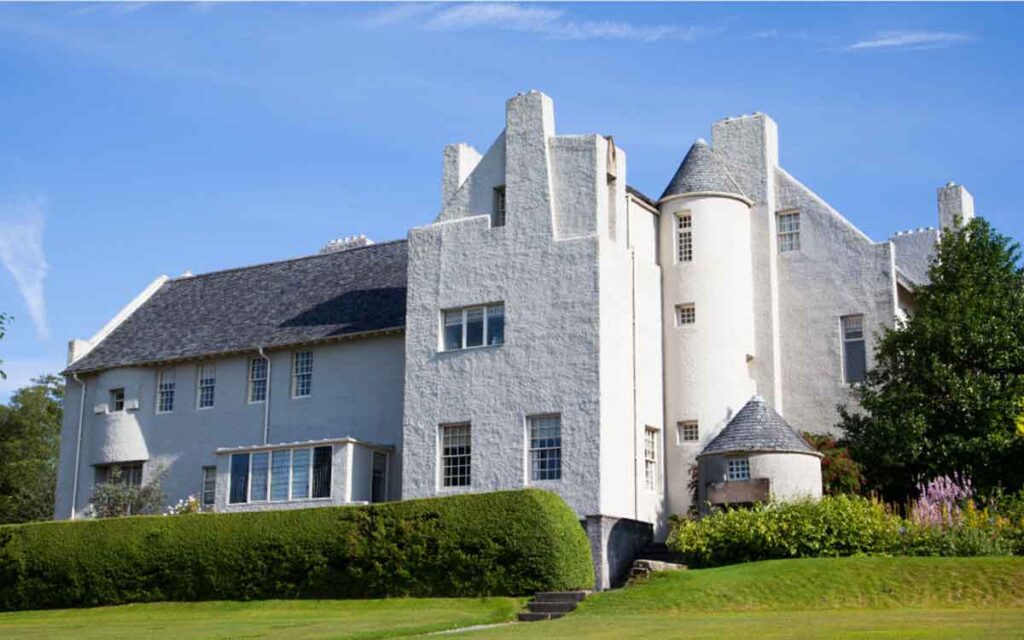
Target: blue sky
{"points": [[148, 139]]}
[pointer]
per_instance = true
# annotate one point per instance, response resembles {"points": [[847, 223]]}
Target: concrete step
{"points": [[551, 607], [560, 596], [530, 616]]}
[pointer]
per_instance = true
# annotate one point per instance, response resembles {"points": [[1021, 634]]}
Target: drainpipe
{"points": [[78, 445], [266, 401]]}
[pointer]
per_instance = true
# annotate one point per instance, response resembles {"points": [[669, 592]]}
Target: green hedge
{"points": [[504, 543]]}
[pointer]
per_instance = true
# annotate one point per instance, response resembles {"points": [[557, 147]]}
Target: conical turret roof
{"points": [[702, 171], [758, 428]]}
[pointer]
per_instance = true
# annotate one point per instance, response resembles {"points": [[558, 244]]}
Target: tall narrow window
{"points": [[209, 486], [855, 365], [738, 469], [379, 477], [117, 399], [322, 471], [650, 458], [495, 324], [473, 327], [789, 231], [545, 447], [498, 219], [259, 480], [165, 390], [302, 374], [257, 380], [239, 492], [455, 455], [300, 474], [207, 386], [684, 242], [687, 431], [686, 314], [280, 468]]}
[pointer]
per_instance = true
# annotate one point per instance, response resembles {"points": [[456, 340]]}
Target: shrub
{"points": [[504, 543], [115, 498]]}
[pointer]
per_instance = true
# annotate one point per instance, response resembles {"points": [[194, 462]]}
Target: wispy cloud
{"points": [[547, 21], [889, 40], [21, 252]]}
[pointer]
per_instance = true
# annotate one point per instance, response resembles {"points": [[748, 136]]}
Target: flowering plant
{"points": [[188, 505]]}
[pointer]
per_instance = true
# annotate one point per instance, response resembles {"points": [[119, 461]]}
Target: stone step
{"points": [[560, 596], [531, 616], [551, 607]]}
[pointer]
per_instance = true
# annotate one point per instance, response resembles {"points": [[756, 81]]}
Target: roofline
{"points": [[644, 204], [708, 194], [302, 443], [235, 352], [726, 452], [126, 312]]}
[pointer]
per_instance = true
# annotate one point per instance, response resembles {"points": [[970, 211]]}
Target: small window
{"points": [[498, 219], [684, 234], [473, 327], [650, 458], [209, 486], [739, 469], [379, 477], [686, 314], [257, 380], [302, 374], [165, 390], [456, 455], [855, 365], [545, 447], [128, 474], [117, 400], [205, 394], [687, 431], [789, 231]]}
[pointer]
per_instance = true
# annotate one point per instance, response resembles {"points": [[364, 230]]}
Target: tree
{"points": [[30, 426], [947, 391]]}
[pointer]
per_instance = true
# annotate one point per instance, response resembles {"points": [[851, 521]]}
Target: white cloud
{"points": [[908, 40], [21, 252]]}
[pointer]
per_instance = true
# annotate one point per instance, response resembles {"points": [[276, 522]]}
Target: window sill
{"points": [[465, 349]]}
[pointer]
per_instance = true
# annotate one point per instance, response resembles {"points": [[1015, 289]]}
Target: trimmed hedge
{"points": [[503, 543]]}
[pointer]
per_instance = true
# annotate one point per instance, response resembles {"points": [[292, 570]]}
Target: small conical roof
{"points": [[758, 428], [701, 171]]}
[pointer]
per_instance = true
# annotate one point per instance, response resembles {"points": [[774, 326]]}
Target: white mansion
{"points": [[551, 327]]}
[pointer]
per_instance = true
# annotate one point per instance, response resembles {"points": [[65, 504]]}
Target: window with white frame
{"points": [[206, 392], [738, 469], [473, 327], [498, 219], [456, 456], [650, 458], [117, 399], [257, 380], [684, 237], [302, 374], [686, 314], [545, 447], [855, 361], [209, 492], [281, 474], [687, 431], [789, 231], [165, 390]]}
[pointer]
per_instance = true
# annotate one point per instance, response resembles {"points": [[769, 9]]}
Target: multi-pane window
{"points": [[498, 220], [687, 431], [209, 486], [738, 469], [257, 380], [789, 231], [855, 364], [117, 399], [474, 327], [650, 458], [165, 390], [545, 447], [129, 475], [684, 238], [302, 374], [455, 455], [207, 386], [281, 474], [686, 314]]}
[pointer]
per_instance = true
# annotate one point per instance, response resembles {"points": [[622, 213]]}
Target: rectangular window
{"points": [[684, 242], [128, 475], [473, 327], [165, 390], [738, 470], [117, 399], [280, 469], [379, 477], [207, 386], [650, 458], [322, 464], [281, 474], [789, 231], [239, 478], [498, 219], [302, 374], [545, 447], [257, 380], [687, 431], [686, 314], [455, 455], [259, 481], [209, 486], [855, 364], [300, 474]]}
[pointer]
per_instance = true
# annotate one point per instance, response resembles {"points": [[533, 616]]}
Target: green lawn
{"points": [[814, 598]]}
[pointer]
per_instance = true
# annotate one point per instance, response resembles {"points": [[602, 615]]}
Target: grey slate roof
{"points": [[701, 171], [296, 301], [757, 427]]}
